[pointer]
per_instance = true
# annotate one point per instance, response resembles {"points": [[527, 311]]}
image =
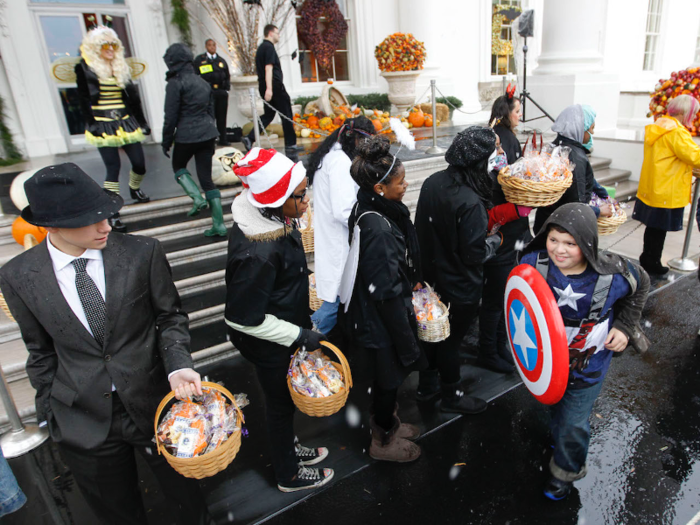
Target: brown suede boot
{"points": [[388, 446], [406, 430]]}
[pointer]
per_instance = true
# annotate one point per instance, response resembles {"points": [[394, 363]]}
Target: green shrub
{"points": [[450, 100], [378, 101], [304, 101]]}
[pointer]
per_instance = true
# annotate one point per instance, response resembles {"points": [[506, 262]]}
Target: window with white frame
{"points": [[653, 30], [502, 16], [310, 70]]}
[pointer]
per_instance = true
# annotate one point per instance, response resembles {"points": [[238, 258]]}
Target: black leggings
{"points": [[492, 325], [383, 406], [654, 239], [445, 355], [203, 152], [110, 156]]}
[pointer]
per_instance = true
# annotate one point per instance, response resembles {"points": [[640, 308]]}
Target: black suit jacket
{"points": [[146, 337]]}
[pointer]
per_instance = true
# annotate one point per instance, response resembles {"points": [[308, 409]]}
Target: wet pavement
{"points": [[644, 462]]}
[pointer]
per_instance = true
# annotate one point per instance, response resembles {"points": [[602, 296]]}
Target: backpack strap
{"points": [[542, 264]]}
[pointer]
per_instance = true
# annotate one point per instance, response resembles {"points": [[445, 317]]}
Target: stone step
{"points": [[609, 176], [599, 163]]}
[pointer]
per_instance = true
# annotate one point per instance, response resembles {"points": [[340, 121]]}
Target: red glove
{"points": [[524, 211], [502, 214]]}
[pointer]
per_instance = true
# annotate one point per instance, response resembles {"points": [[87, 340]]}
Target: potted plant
{"points": [[400, 57], [242, 22]]}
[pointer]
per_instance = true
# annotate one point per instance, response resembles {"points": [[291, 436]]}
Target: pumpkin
{"points": [[305, 133], [312, 122], [20, 228], [325, 122], [377, 124], [337, 121], [416, 117], [428, 122]]}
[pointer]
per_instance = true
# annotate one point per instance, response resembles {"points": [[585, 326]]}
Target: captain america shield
{"points": [[536, 334]]}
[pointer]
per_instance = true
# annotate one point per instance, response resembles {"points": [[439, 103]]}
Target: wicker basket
{"points": [[209, 464], [609, 225], [324, 406], [438, 329], [307, 234], [532, 193], [314, 302]]}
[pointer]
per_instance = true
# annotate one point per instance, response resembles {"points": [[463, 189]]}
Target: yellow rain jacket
{"points": [[670, 154]]}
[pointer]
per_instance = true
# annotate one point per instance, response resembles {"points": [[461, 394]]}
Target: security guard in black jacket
{"points": [[214, 69]]}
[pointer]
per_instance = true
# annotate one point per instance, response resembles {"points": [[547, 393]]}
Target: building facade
{"points": [[608, 53]]}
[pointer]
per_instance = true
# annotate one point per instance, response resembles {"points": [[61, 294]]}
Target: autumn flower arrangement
{"points": [[400, 52]]}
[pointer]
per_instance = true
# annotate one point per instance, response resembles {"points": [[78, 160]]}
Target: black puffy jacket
{"points": [[189, 103], [451, 221]]}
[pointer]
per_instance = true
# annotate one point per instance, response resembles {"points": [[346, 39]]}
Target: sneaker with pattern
{"points": [[307, 478], [309, 456]]}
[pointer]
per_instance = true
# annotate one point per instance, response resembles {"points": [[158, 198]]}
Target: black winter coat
{"points": [[382, 274], [89, 95], [266, 276], [189, 102], [451, 221], [517, 230]]}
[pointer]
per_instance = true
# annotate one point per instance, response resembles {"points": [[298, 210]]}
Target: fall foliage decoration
{"points": [[683, 82], [400, 52], [324, 45]]}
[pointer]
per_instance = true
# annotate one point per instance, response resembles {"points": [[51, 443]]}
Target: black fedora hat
{"points": [[64, 196]]}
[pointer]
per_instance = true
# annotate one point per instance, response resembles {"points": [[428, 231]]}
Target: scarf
{"points": [[400, 215]]}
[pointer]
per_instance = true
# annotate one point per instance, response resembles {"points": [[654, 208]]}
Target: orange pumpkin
{"points": [[416, 118], [20, 228], [428, 122], [377, 124], [312, 122]]}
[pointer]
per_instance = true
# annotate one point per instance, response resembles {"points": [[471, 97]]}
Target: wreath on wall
{"points": [[324, 45]]}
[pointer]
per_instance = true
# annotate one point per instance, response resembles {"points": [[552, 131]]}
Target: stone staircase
{"points": [[198, 266]]}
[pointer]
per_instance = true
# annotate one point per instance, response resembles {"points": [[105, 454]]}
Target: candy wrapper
{"points": [[426, 304], [195, 428], [549, 165], [313, 374], [617, 208], [312, 281]]}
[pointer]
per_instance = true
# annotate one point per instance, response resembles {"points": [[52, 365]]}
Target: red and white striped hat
{"points": [[269, 176]]}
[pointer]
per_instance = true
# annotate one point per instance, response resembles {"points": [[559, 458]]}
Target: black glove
{"points": [[166, 148], [309, 340], [145, 130]]}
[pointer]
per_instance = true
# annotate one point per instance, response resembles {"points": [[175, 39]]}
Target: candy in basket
{"points": [[549, 165], [312, 374], [427, 305], [195, 428]]}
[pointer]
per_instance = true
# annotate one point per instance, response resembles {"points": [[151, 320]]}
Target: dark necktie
{"points": [[91, 299]]}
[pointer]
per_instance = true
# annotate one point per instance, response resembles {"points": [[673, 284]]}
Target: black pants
{"points": [[654, 239], [220, 112], [203, 153], [492, 324], [279, 415], [445, 355], [110, 156], [383, 405], [108, 479], [282, 103]]}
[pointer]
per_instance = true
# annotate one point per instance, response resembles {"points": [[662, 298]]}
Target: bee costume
{"points": [[112, 110]]}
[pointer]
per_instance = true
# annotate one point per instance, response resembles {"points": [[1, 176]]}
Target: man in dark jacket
{"points": [[214, 70], [102, 321], [271, 87]]}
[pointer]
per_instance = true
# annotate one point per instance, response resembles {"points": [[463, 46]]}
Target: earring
{"points": [[381, 193]]}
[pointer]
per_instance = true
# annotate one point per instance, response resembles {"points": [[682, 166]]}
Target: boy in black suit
{"points": [[101, 319]]}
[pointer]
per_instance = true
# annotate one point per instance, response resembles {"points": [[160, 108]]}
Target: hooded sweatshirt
{"points": [[670, 154], [189, 103], [622, 309]]}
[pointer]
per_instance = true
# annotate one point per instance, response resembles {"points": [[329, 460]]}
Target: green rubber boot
{"points": [[217, 215], [184, 179]]}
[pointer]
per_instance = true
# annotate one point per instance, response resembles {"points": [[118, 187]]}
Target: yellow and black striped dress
{"points": [[114, 126]]}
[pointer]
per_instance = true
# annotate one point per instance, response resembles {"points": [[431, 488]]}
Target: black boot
{"points": [[116, 223], [556, 489], [495, 363], [428, 385], [138, 195], [650, 259], [651, 265], [455, 401]]}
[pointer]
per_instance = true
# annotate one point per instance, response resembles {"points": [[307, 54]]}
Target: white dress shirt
{"points": [[210, 56], [335, 193]]}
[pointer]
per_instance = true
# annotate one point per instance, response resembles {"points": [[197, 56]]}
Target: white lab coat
{"points": [[335, 193]]}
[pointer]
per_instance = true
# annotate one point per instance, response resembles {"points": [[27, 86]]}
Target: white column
{"points": [[570, 65], [31, 86]]}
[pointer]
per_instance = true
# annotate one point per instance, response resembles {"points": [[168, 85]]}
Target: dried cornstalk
{"points": [[242, 26]]}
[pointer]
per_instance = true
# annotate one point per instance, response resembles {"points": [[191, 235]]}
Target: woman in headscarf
{"points": [[453, 221], [189, 121], [111, 106], [670, 154], [335, 193], [267, 301], [380, 315], [575, 127]]}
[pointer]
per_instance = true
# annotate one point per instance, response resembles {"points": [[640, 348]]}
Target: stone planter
{"points": [[240, 86], [402, 88]]}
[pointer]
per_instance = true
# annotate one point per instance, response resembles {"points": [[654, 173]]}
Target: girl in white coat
{"points": [[335, 193]]}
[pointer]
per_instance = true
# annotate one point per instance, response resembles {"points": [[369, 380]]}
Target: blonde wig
{"points": [[90, 51]]}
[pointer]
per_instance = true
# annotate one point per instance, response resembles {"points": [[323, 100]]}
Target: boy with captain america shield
{"points": [[600, 297]]}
